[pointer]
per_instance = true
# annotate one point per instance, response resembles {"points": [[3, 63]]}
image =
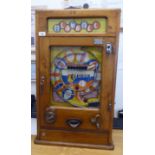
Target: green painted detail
{"points": [[77, 26]]}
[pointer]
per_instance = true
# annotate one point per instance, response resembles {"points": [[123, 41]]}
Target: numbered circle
{"points": [[60, 63], [63, 24], [84, 25], [68, 94], [72, 24], [96, 25], [82, 83], [57, 28], [90, 28], [67, 28], [78, 28]]}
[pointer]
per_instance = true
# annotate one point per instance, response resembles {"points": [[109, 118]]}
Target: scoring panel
{"points": [[77, 26]]}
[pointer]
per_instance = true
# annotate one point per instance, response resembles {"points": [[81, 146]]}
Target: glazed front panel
{"points": [[76, 76]]}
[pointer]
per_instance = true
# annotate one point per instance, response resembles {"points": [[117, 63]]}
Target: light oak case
{"points": [[86, 134]]}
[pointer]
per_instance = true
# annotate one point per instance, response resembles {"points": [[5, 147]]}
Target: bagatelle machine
{"points": [[76, 72]]}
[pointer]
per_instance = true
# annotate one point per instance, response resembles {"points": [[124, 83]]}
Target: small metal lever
{"points": [[108, 48], [74, 123], [96, 120]]}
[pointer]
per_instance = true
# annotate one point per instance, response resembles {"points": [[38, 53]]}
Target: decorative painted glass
{"points": [[77, 26]]}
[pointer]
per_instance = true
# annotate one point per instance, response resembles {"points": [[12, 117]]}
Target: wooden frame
{"points": [[86, 135]]}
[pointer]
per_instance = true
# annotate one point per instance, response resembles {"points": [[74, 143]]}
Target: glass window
{"points": [[76, 76]]}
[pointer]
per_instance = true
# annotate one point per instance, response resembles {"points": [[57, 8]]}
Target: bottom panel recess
{"points": [[91, 146], [97, 140]]}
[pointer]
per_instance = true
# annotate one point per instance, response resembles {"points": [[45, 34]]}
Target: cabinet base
{"points": [[93, 146]]}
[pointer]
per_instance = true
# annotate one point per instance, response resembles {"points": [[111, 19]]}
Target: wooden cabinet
{"points": [[76, 72]]}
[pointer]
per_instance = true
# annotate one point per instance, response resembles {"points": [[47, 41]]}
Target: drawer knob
{"points": [[73, 123]]}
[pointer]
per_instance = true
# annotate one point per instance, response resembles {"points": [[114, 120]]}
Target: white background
{"points": [[138, 77]]}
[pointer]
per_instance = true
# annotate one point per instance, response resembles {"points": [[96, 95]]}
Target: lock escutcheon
{"points": [[109, 48]]}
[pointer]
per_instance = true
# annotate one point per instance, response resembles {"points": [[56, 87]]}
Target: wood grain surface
{"points": [[59, 150], [86, 133]]}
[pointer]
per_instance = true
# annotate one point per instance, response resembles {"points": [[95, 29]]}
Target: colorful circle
{"points": [[57, 28], [63, 24], [84, 25], [60, 63], [68, 94], [96, 25], [67, 28], [72, 24], [82, 83], [90, 28], [78, 28]]}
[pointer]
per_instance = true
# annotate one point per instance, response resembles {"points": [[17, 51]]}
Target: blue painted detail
{"points": [[84, 24], [72, 24], [58, 86], [65, 79], [57, 28], [68, 94], [60, 63], [77, 79]]}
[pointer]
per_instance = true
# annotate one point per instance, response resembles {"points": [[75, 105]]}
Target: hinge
{"points": [[110, 107]]}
